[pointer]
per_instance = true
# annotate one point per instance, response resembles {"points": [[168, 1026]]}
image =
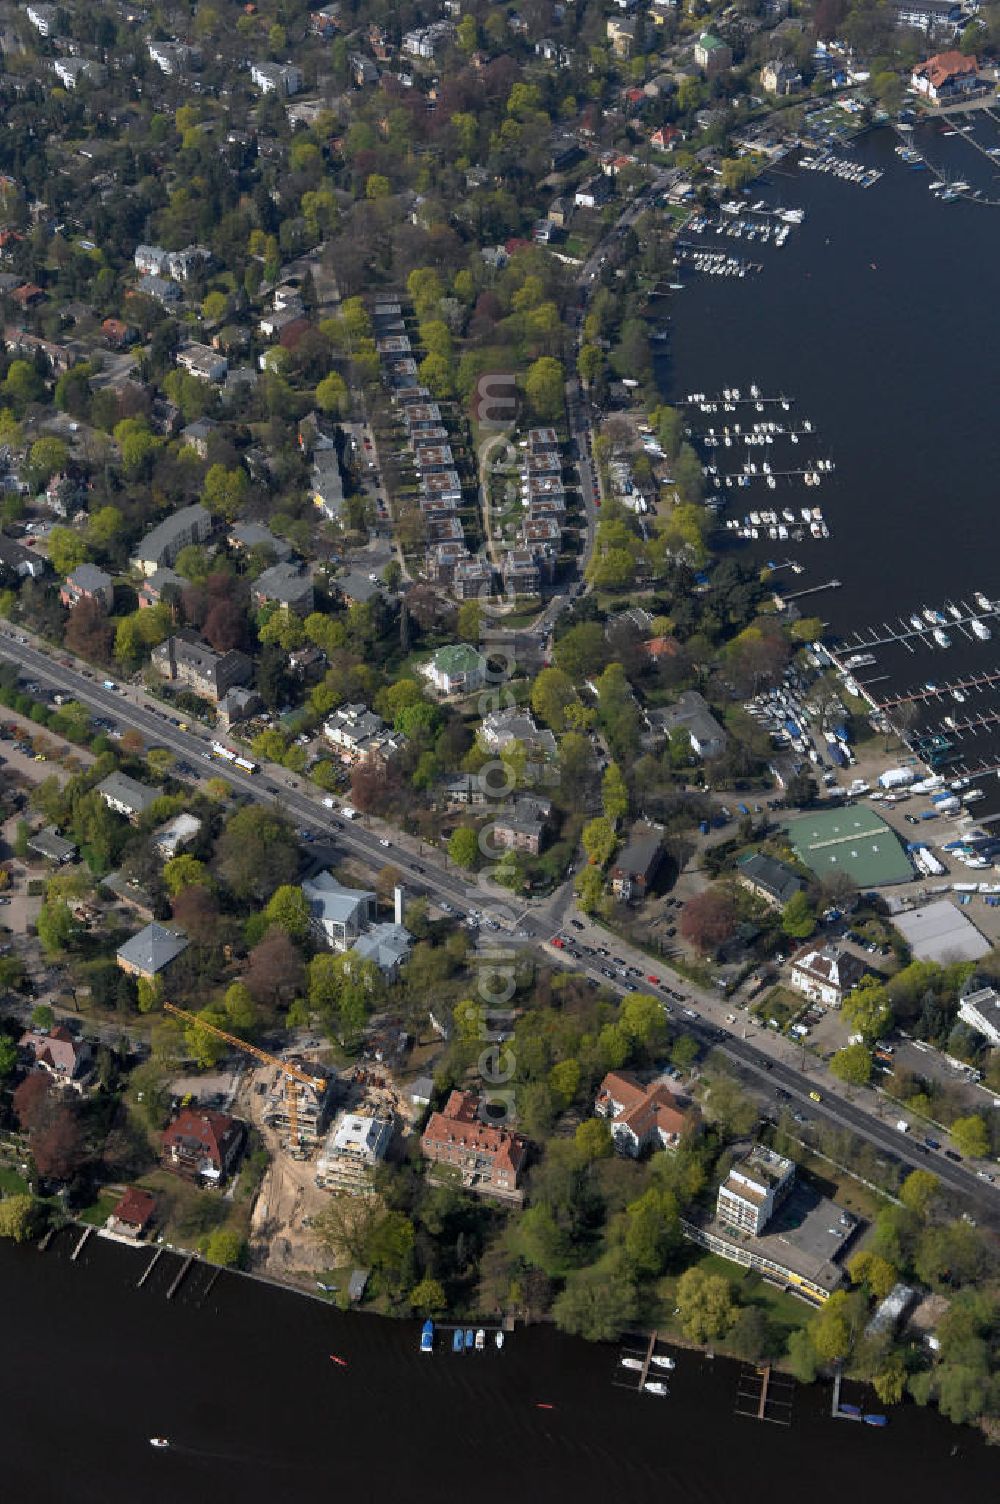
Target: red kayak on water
{"points": [[540, 1405], [341, 1361]]}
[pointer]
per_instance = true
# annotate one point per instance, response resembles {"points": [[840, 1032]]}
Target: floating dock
{"points": [[763, 1394], [149, 1268], [181, 1276], [79, 1247]]}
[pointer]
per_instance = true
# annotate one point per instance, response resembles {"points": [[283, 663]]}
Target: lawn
{"points": [[785, 1313], [99, 1211], [11, 1183]]}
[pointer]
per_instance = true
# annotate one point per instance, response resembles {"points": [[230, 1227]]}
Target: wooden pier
{"points": [[79, 1247], [905, 634], [149, 1268], [181, 1276], [763, 1394], [635, 1379], [47, 1239], [916, 696], [797, 595]]}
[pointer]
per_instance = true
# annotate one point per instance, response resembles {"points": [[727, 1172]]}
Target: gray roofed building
{"points": [[770, 879], [502, 728], [327, 483], [339, 915], [388, 945], [357, 587], [126, 796], [159, 288], [90, 583], [22, 561], [633, 873], [163, 543], [187, 660], [692, 715], [51, 845], [151, 951], [238, 705], [250, 535], [169, 838], [979, 1007], [522, 826], [287, 585]]}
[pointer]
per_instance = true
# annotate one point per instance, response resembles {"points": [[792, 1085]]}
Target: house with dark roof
{"points": [[87, 583], [133, 1214], [641, 1117], [185, 659], [773, 881], [127, 796], [151, 952], [287, 586], [522, 826], [202, 1145], [634, 871], [825, 974], [162, 544]]}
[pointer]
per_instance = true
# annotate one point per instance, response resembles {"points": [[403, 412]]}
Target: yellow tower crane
{"points": [[295, 1076]]}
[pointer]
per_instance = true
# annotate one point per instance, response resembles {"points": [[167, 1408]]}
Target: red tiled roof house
{"points": [[490, 1158], [200, 1144], [133, 1214], [642, 1117]]}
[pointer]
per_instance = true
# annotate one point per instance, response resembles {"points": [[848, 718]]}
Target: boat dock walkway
{"points": [[149, 1268], [797, 595], [642, 1374], [906, 632], [46, 1239], [79, 1247], [763, 1394], [181, 1275], [919, 696]]}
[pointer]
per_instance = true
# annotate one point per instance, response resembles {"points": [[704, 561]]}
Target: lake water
{"points": [[241, 1382], [876, 316]]}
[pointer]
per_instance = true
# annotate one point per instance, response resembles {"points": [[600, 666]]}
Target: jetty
{"points": [[935, 691], [797, 595], [79, 1247], [906, 633], [181, 1276], [642, 1374], [762, 1394], [46, 1239], [149, 1268]]}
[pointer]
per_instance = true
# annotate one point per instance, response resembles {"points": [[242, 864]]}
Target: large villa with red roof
{"points": [[642, 1117]]}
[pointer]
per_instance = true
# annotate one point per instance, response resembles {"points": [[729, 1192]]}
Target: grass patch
{"points": [[12, 1184], [785, 1313], [100, 1210]]}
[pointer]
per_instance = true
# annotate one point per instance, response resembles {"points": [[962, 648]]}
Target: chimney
{"points": [[397, 894]]}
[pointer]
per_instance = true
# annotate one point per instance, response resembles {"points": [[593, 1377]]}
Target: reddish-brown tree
{"points": [[275, 973], [709, 919], [89, 634]]}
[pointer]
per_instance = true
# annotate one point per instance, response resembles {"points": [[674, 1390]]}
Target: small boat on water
{"points": [[916, 623], [427, 1336], [876, 1420], [470, 1337], [941, 637], [499, 1340], [655, 1387], [458, 1341], [635, 1363], [663, 1362], [480, 1340], [983, 601], [159, 1442], [982, 631], [853, 1410]]}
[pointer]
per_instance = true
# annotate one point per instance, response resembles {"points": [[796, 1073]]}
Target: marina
{"points": [[764, 1394], [842, 168]]}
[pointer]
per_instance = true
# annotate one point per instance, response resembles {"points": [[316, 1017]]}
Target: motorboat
{"points": [[982, 631], [480, 1340], [470, 1337], [457, 1341], [635, 1363], [983, 601], [653, 1386], [663, 1362], [159, 1442], [427, 1336], [499, 1340]]}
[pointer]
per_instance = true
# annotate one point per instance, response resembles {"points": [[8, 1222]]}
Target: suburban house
{"points": [[48, 843], [633, 873], [339, 915], [753, 1190], [149, 953], [825, 975], [358, 734], [185, 659], [150, 592], [456, 670], [935, 17], [505, 728], [202, 1145], [71, 70], [692, 716], [490, 1159], [276, 78], [87, 583], [641, 1117], [946, 76], [246, 536], [773, 881], [169, 838], [161, 546], [133, 1214], [979, 1007], [355, 1146], [62, 1057], [780, 78], [286, 585], [712, 55], [22, 561], [126, 796], [621, 35], [202, 361], [523, 824]]}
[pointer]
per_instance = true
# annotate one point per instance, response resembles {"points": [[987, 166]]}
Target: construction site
{"points": [[325, 1132]]}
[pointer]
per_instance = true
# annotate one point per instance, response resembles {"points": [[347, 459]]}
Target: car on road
{"points": [[814, 1096], [558, 942], [384, 841], [607, 972], [655, 980], [578, 924], [985, 1175], [690, 1013], [417, 867], [950, 1154]]}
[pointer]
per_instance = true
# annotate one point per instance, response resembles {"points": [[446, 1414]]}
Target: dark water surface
{"points": [[878, 316], [242, 1383]]}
